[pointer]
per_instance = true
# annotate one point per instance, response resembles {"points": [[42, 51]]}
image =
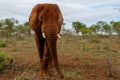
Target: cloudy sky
{"points": [[85, 11]]}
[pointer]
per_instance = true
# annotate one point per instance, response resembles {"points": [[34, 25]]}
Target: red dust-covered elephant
{"points": [[46, 21]]}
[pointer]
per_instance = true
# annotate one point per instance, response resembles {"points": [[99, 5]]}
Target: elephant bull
{"points": [[46, 21]]}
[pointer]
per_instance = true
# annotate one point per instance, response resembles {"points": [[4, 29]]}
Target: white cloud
{"points": [[86, 11]]}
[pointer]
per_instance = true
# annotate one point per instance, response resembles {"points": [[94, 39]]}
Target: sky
{"points": [[86, 11]]}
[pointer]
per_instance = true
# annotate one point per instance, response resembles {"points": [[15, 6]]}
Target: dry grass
{"points": [[80, 59]]}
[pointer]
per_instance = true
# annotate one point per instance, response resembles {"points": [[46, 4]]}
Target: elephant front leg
{"points": [[50, 64], [46, 57], [40, 45]]}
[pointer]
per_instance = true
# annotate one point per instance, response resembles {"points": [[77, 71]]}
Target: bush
{"points": [[2, 56], [95, 41], [3, 44], [2, 59], [20, 38], [14, 49], [1, 67], [84, 48], [5, 60]]}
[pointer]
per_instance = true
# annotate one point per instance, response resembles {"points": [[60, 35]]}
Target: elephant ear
{"points": [[60, 17], [34, 20]]}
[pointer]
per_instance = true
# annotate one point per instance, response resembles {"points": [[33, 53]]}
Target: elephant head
{"points": [[46, 21]]}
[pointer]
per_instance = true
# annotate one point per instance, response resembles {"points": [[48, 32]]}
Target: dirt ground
{"points": [[79, 59]]}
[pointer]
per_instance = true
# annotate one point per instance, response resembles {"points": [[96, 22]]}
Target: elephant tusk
{"points": [[58, 36], [43, 34]]}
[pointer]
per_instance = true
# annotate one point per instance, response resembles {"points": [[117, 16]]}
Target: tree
{"points": [[7, 26], [26, 24], [111, 27], [1, 28], [63, 28], [116, 27], [93, 28], [10, 24], [0, 24], [100, 25], [21, 29], [77, 26], [85, 31], [67, 32], [107, 28]]}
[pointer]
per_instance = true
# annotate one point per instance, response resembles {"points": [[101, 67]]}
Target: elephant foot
{"points": [[59, 73], [60, 76], [50, 66], [43, 72]]}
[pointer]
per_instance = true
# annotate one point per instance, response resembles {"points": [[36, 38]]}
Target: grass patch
{"points": [[95, 41], [3, 44], [2, 60], [20, 38], [84, 48], [14, 49], [71, 75], [76, 57]]}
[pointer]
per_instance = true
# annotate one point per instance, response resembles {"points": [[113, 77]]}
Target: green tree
{"points": [[111, 27], [116, 27], [26, 24], [0, 24], [85, 31], [1, 28], [107, 29], [8, 26], [63, 28], [93, 28], [100, 25], [77, 26], [22, 29]]}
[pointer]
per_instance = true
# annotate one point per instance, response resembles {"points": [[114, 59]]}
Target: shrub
{"points": [[2, 59], [95, 41], [1, 67], [5, 60], [84, 48], [2, 56], [14, 49], [3, 44], [20, 38]]}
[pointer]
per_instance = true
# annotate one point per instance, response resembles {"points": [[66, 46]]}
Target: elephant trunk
{"points": [[53, 52]]}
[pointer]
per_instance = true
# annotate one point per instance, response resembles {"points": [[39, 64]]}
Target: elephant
{"points": [[46, 21]]}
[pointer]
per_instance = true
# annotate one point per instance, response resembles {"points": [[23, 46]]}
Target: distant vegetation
{"points": [[101, 27], [11, 26]]}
